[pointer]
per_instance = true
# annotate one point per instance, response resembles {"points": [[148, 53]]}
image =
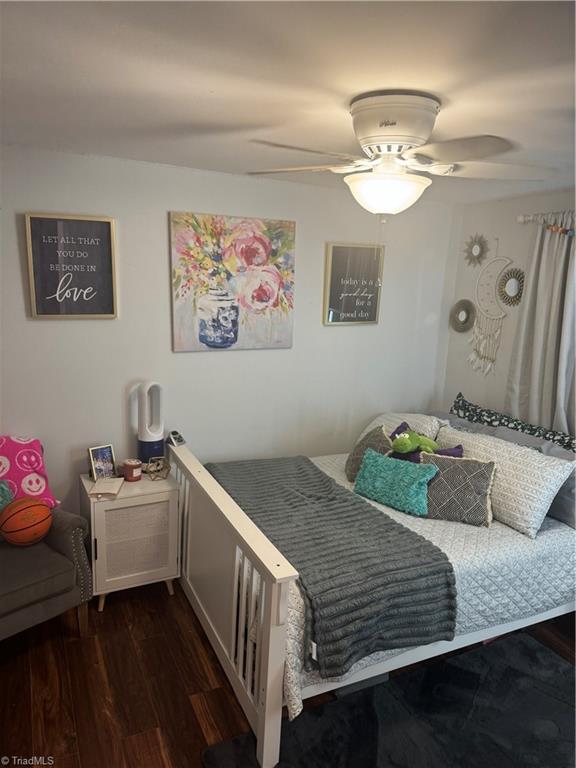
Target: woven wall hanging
{"points": [[487, 331], [462, 316]]}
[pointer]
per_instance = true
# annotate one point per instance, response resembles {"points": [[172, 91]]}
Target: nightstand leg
{"points": [[101, 601], [169, 586]]}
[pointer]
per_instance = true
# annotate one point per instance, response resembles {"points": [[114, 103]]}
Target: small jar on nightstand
{"points": [[135, 536]]}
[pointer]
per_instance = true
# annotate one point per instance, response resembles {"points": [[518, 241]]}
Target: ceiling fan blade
{"points": [[456, 150], [502, 171], [309, 168], [340, 155]]}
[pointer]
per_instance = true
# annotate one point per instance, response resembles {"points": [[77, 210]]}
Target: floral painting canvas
{"points": [[232, 282]]}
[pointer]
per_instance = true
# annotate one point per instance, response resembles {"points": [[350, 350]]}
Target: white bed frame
{"points": [[237, 583]]}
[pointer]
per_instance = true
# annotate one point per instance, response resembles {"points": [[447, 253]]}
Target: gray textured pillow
{"points": [[525, 482], [460, 492], [376, 439], [563, 507]]}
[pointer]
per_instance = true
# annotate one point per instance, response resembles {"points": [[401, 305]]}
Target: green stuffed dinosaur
{"points": [[409, 441]]}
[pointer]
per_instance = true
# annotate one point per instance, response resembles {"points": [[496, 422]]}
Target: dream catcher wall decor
{"points": [[487, 331]]}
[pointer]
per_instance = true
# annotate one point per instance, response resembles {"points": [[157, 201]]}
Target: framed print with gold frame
{"points": [[352, 283], [71, 265]]}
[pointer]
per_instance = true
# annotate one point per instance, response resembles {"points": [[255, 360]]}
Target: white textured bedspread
{"points": [[501, 575]]}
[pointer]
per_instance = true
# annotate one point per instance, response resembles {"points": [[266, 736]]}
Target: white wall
{"points": [[496, 219], [68, 381]]}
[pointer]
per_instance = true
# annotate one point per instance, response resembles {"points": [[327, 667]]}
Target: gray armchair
{"points": [[45, 579]]}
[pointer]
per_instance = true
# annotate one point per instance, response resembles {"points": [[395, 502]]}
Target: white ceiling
{"points": [[192, 83]]}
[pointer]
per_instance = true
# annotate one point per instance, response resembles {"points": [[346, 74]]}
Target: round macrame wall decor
{"points": [[476, 250], [462, 316], [511, 287]]}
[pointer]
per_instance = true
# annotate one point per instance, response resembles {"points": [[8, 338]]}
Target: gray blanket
{"points": [[369, 583]]}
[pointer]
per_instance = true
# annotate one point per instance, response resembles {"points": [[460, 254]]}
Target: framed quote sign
{"points": [[71, 266], [352, 282]]}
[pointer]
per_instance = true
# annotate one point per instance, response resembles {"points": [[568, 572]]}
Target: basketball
{"points": [[25, 521]]}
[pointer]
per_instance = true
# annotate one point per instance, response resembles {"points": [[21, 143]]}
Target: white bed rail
{"points": [[237, 582]]}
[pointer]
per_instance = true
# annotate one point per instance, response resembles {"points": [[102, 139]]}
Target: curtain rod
{"points": [[526, 218]]}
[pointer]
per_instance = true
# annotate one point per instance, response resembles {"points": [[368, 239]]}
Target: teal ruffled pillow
{"points": [[5, 495], [399, 484]]}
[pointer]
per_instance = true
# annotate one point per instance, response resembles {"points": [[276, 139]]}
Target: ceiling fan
{"points": [[393, 129]]}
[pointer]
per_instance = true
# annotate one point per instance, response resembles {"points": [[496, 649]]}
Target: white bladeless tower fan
{"points": [[150, 421]]}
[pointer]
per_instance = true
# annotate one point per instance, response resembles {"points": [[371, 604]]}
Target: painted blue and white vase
{"points": [[217, 319]]}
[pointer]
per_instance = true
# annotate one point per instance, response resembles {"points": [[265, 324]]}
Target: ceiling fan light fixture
{"points": [[381, 192]]}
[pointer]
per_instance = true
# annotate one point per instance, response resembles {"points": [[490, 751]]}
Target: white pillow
{"points": [[525, 482], [419, 422]]}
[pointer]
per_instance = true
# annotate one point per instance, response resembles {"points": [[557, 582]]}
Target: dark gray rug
{"points": [[506, 705]]}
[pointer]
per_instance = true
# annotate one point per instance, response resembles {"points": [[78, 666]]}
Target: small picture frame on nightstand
{"points": [[102, 463]]}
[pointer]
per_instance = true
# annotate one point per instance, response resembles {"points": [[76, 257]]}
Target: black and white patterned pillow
{"points": [[476, 414], [460, 492]]}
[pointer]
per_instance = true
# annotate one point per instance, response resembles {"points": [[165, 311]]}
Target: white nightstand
{"points": [[135, 537]]}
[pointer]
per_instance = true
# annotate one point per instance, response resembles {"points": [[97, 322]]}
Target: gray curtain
{"points": [[541, 380]]}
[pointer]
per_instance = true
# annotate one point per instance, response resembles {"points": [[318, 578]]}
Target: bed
{"points": [[246, 596]]}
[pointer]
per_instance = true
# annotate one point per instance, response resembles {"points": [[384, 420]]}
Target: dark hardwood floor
{"points": [[143, 688]]}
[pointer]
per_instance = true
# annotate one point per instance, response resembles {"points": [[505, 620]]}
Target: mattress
{"points": [[501, 575]]}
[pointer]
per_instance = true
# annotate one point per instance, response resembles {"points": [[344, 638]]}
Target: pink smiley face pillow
{"points": [[22, 469]]}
